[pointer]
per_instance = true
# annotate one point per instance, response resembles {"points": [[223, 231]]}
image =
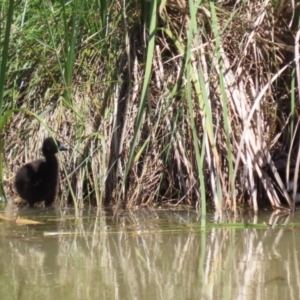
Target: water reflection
{"points": [[147, 255]]}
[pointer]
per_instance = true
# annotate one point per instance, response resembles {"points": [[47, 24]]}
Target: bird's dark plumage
{"points": [[38, 180]]}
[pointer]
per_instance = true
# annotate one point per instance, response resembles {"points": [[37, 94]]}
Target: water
{"points": [[149, 255]]}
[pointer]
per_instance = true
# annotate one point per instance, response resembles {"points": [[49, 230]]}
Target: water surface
{"points": [[149, 255]]}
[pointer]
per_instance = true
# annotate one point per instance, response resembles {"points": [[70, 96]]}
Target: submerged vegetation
{"points": [[177, 102]]}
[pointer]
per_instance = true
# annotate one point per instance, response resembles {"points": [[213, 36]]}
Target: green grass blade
{"points": [[4, 55], [4, 59], [148, 70], [226, 116]]}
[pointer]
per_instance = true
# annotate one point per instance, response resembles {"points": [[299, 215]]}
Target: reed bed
{"points": [[162, 102]]}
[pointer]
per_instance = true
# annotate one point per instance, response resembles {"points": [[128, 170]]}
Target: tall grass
{"points": [[162, 103]]}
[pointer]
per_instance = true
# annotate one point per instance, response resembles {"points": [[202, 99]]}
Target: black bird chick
{"points": [[38, 180]]}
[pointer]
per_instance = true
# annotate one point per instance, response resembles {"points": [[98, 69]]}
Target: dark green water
{"points": [[149, 255]]}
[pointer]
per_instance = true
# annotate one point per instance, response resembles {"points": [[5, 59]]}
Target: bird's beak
{"points": [[62, 147]]}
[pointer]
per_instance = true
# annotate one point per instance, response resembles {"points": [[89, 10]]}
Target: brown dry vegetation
{"points": [[220, 96]]}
